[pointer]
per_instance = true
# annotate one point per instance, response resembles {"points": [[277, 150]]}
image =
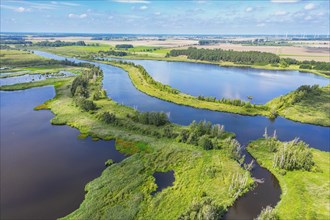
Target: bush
{"points": [[152, 118], [268, 213], [84, 104], [203, 210], [108, 118], [79, 81], [294, 155], [205, 142]]}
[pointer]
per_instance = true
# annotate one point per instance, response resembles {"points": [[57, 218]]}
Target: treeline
{"points": [[21, 41], [236, 102], [151, 118], [208, 42], [114, 53], [242, 57], [59, 43], [247, 57], [124, 46]]}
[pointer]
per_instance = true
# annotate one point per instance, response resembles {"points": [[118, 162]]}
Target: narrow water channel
{"points": [[247, 128]]}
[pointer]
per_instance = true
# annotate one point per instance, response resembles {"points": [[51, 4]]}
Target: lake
{"points": [[228, 82], [44, 168]]}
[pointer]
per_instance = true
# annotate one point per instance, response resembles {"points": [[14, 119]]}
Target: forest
{"points": [[244, 57]]}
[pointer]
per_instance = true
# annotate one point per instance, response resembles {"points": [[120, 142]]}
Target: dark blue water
{"points": [[44, 168], [163, 180], [229, 82]]}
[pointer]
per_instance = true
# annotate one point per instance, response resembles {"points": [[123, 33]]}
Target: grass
{"points": [[305, 195], [312, 109], [123, 191], [29, 85], [75, 51], [18, 58]]}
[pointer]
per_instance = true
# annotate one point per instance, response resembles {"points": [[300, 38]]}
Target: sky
{"points": [[167, 17]]}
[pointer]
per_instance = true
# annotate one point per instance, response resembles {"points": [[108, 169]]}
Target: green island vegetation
{"points": [[307, 104], [303, 174], [205, 158]]}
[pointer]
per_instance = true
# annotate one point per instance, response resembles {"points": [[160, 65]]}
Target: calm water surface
{"points": [[229, 82], [163, 180], [247, 128], [44, 168]]}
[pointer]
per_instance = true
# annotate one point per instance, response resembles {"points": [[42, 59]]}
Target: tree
{"points": [[205, 142]]}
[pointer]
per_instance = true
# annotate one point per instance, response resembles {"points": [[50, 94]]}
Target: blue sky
{"points": [[171, 17]]}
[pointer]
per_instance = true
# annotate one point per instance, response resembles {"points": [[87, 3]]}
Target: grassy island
{"points": [[303, 174]]}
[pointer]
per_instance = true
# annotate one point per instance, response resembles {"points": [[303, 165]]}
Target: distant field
{"points": [[303, 50], [73, 51], [19, 58]]}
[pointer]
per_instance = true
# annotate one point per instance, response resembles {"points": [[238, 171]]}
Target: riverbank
{"points": [[305, 193], [304, 105]]}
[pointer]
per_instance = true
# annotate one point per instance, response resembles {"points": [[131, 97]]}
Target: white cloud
{"points": [[64, 3], [20, 9], [249, 9], [285, 1], [309, 6], [307, 18], [17, 9], [261, 25], [81, 16], [132, 1], [144, 7], [280, 13], [157, 13]]}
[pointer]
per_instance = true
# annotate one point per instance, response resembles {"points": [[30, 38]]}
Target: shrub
{"points": [[152, 118], [108, 117], [268, 213], [294, 155], [205, 209], [85, 104], [205, 142]]}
